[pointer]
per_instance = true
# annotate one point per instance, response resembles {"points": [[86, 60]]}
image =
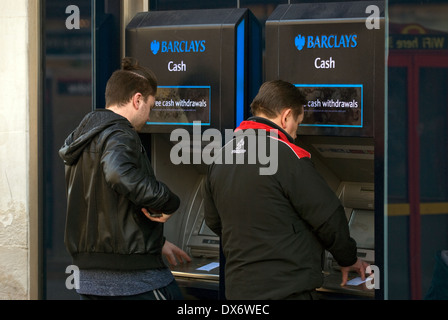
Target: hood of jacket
{"points": [[93, 123]]}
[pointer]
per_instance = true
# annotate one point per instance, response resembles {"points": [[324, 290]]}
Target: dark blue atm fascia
{"points": [[328, 47], [219, 49]]}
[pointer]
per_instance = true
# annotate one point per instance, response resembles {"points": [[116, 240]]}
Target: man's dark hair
{"points": [[276, 95], [125, 83]]}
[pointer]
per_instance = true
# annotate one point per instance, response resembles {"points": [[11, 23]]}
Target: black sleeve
{"points": [[211, 215], [127, 176], [335, 237], [309, 193], [319, 206]]}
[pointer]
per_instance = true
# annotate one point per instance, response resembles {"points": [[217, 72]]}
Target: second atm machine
{"points": [[335, 55], [208, 66]]}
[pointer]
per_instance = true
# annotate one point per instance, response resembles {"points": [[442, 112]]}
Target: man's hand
{"points": [[359, 266], [174, 254], [162, 219]]}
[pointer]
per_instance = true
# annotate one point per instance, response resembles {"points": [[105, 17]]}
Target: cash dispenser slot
{"points": [[203, 242]]}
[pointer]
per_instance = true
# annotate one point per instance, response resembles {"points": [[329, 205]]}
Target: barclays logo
{"points": [[300, 42], [155, 47], [326, 41], [178, 46]]}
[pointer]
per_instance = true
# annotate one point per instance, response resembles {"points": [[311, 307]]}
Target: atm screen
{"points": [[328, 105], [181, 105], [362, 228]]}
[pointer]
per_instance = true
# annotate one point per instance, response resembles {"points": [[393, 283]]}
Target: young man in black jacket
{"points": [[274, 224], [111, 189]]}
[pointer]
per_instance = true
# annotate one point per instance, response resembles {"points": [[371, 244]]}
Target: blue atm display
{"points": [[207, 62]]}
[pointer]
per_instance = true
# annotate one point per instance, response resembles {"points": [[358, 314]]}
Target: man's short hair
{"points": [[276, 95], [131, 79]]}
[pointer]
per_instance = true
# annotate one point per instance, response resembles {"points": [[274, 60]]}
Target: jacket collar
{"points": [[263, 123]]}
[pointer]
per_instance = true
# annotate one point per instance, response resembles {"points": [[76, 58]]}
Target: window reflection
{"points": [[68, 97]]}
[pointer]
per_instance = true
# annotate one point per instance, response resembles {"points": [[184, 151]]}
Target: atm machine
{"points": [[331, 52], [208, 66]]}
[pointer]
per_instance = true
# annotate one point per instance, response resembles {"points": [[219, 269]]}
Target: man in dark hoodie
{"points": [[115, 205]]}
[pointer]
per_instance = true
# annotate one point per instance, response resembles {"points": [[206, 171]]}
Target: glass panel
{"points": [[68, 98], [418, 32], [433, 129], [397, 180], [397, 148]]}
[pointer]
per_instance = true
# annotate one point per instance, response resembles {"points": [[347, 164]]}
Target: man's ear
{"points": [[285, 115], [136, 100]]}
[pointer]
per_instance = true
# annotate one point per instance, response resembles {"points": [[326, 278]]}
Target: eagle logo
{"points": [[300, 42], [155, 46]]}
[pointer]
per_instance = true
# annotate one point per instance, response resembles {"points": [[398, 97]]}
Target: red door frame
{"points": [[413, 61]]}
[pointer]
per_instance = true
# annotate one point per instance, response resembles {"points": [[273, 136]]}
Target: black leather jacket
{"points": [[109, 179]]}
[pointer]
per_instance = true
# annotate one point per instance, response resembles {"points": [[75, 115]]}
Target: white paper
{"points": [[209, 266], [357, 281]]}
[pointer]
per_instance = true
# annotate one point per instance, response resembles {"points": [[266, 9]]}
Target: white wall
{"points": [[14, 150]]}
